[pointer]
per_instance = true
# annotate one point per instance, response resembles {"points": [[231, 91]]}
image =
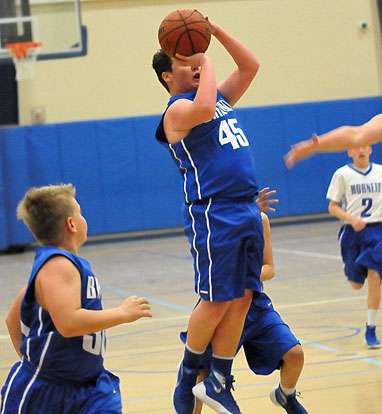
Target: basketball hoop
{"points": [[24, 55]]}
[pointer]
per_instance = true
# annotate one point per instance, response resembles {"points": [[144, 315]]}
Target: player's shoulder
{"points": [[376, 166], [341, 171]]}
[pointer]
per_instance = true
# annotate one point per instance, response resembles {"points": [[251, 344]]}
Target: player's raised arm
{"points": [[187, 73], [235, 85]]}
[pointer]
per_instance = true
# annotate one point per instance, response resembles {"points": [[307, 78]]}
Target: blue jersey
{"points": [[44, 349], [215, 158]]}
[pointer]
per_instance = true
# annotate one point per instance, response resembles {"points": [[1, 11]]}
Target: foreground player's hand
{"points": [[135, 308], [301, 150], [263, 200]]}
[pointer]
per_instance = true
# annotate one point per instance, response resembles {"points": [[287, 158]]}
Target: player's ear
{"points": [[165, 76], [71, 227]]}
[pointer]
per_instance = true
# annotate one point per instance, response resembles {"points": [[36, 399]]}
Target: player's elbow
{"points": [[67, 330], [267, 272], [255, 67], [250, 70]]}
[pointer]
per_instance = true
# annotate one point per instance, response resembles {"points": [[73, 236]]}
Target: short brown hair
{"points": [[44, 210], [162, 63]]}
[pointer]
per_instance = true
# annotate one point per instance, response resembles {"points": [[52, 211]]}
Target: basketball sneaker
{"points": [[215, 395], [288, 402], [370, 338], [183, 399]]}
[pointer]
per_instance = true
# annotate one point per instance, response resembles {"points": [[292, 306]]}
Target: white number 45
{"points": [[230, 134]]}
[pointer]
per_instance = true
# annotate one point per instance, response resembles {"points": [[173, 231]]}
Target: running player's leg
{"points": [[373, 303]]}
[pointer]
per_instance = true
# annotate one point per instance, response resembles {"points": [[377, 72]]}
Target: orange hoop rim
{"points": [[20, 49]]}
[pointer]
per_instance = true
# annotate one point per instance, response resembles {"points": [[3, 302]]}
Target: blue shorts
{"points": [[266, 338], [24, 394], [361, 250], [227, 245]]}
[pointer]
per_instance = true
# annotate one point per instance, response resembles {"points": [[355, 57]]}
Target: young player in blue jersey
{"points": [[57, 323], [222, 220], [267, 341], [355, 195], [338, 139]]}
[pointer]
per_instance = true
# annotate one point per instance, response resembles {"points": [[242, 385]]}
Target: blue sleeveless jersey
{"points": [[215, 158], [44, 350]]}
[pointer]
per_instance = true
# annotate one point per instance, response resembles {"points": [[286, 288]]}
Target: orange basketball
{"points": [[185, 32]]}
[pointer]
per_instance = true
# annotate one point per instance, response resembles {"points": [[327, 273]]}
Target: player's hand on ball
{"points": [[193, 60], [213, 27], [135, 308]]}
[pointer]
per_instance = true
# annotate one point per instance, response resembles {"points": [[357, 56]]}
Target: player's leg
{"points": [[203, 374], [215, 391], [373, 303], [203, 321], [285, 393], [293, 362]]}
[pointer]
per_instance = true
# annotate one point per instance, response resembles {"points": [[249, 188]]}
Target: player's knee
{"points": [[294, 356], [356, 286]]}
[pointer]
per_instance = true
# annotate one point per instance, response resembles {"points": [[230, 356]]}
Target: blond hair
{"points": [[44, 211]]}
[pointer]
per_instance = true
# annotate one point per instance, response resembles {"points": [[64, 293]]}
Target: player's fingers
{"points": [[289, 160]]}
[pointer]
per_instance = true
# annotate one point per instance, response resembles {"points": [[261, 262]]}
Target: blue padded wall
{"points": [[127, 181]]}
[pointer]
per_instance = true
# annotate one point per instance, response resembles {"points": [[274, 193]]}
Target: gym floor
{"points": [[309, 290]]}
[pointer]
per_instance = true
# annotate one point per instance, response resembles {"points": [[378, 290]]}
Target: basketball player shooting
{"points": [[222, 220]]}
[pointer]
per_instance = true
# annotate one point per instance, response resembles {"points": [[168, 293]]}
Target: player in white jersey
{"points": [[355, 195]]}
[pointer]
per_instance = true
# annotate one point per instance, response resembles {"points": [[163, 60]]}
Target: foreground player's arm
{"points": [[235, 85], [13, 321], [338, 139], [268, 269], [336, 210], [58, 290]]}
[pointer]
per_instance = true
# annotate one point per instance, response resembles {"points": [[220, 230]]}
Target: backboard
{"points": [[55, 23]]}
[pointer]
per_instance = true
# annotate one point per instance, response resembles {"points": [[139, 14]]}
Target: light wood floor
{"points": [[340, 375]]}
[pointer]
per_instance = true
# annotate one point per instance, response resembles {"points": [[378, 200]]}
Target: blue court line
{"points": [[337, 351], [151, 300]]}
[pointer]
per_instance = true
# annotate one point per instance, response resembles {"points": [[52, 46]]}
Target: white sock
{"points": [[372, 317], [287, 391]]}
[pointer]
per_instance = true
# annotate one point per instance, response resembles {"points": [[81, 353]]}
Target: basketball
{"points": [[185, 32]]}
